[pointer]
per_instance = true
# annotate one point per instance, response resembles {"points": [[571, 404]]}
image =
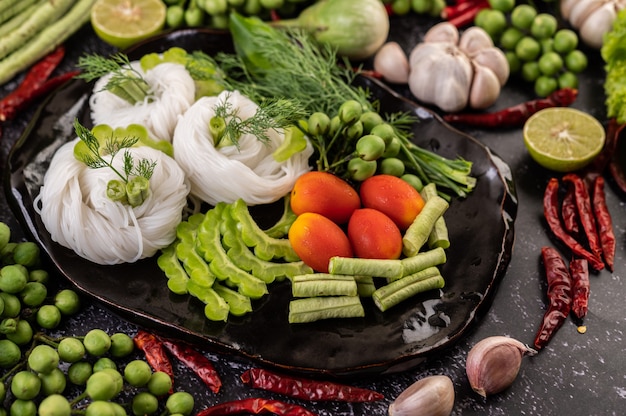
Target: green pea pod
{"points": [[215, 307], [239, 304], [177, 277], [265, 247], [323, 284], [248, 34], [328, 307], [399, 290], [211, 248]]}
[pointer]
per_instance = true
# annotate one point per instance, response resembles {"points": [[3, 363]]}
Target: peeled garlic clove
{"points": [[430, 396], [392, 63], [474, 39], [598, 23], [442, 32], [493, 364]]}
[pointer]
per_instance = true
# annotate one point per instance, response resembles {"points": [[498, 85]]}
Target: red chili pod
{"points": [[197, 362], [579, 271], [255, 406], [604, 221], [155, 352]]}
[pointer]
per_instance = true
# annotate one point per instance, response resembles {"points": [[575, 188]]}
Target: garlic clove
{"points": [[474, 39], [597, 24], [581, 11], [566, 7], [485, 88], [442, 32], [494, 362], [430, 396], [494, 59], [392, 63]]}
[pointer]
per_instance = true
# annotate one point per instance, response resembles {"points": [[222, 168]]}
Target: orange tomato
{"points": [[393, 197], [316, 239], [374, 235], [324, 194]]}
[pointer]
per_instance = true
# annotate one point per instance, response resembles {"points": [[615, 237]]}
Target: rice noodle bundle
{"points": [[173, 92], [228, 173], [76, 211]]}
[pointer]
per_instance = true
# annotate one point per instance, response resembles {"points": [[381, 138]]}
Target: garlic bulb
{"points": [[592, 18], [430, 396], [392, 63], [452, 70], [493, 364]]}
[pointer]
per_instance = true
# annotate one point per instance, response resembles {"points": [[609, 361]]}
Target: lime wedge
{"points": [[122, 23], [563, 139]]}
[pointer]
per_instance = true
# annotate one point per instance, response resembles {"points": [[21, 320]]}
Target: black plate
{"points": [[481, 232]]}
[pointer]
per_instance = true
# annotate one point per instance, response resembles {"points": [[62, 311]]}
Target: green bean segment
{"points": [[423, 260], [314, 309], [371, 267], [323, 284], [417, 234], [399, 290], [438, 237]]}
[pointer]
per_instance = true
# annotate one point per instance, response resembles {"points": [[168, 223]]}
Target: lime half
{"points": [[563, 139], [122, 23]]}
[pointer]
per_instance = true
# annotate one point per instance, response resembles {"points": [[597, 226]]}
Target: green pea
{"points": [[39, 275], [160, 383], [413, 180], [252, 7], [117, 378], [5, 235], [10, 353], [97, 342], [180, 402], [67, 301], [104, 362], [26, 253], [100, 408], [53, 382], [6, 253], [319, 124], [101, 386], [360, 169], [79, 372], [175, 16], [370, 147], [392, 166], [12, 279], [421, 6], [354, 131], [137, 373], [121, 345], [43, 359], [71, 350], [48, 316], [194, 17], [370, 119], [25, 385], [23, 408], [350, 111], [392, 148], [55, 405], [33, 294], [144, 403], [23, 333], [272, 4]]}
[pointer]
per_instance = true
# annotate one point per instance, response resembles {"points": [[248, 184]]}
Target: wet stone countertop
{"points": [[576, 374]]}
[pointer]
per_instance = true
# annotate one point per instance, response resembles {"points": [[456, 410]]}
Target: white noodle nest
{"points": [[76, 211], [173, 92], [226, 174]]}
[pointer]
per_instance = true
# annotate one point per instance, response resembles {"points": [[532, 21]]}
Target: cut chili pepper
{"points": [[34, 79], [306, 389], [585, 212], [579, 271], [569, 212], [517, 115], [467, 17], [559, 296], [155, 352], [197, 362], [551, 214], [460, 7], [255, 406], [604, 221]]}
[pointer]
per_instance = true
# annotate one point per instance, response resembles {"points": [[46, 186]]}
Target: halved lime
{"points": [[563, 139], [122, 23]]}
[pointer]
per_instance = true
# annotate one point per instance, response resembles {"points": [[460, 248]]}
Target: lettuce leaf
{"points": [[613, 53]]}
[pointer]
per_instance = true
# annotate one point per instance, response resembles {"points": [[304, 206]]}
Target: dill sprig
{"points": [[125, 81]]}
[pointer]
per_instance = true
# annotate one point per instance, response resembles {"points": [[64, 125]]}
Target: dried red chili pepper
{"points": [[34, 79], [155, 352], [467, 17], [569, 212], [514, 116], [604, 221], [559, 296], [579, 272], [460, 7], [306, 389], [255, 406], [585, 212], [551, 214], [197, 362]]}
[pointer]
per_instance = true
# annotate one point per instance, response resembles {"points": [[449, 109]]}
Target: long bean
{"points": [[12, 8], [15, 21], [417, 233]]}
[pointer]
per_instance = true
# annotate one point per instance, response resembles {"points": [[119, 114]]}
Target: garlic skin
{"points": [[592, 18], [452, 70], [493, 364], [392, 63], [430, 396]]}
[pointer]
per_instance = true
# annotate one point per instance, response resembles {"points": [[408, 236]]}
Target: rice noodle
{"points": [[229, 173], [76, 211], [173, 92]]}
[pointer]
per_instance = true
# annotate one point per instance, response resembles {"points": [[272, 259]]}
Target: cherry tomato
{"points": [[374, 235]]}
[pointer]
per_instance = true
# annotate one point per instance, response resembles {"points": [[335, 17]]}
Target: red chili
{"points": [[551, 214], [306, 389], [569, 212], [604, 221], [460, 7], [155, 352], [517, 115], [579, 271], [256, 406], [29, 88], [197, 362], [559, 296], [585, 212], [467, 17]]}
